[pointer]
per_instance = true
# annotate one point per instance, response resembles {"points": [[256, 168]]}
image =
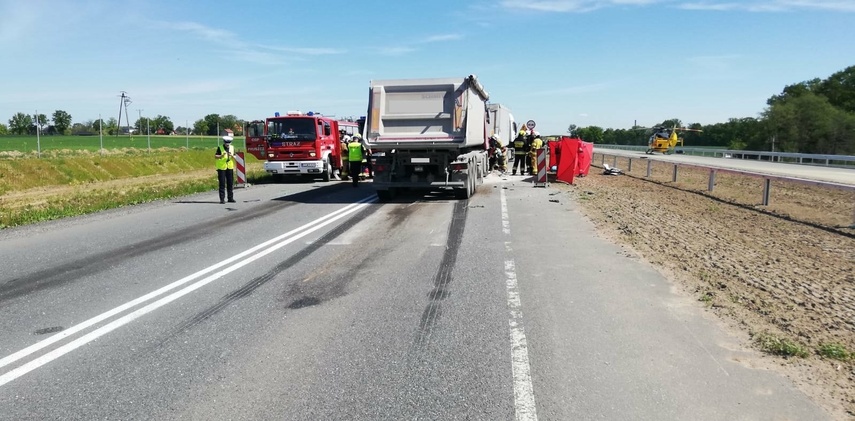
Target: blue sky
{"points": [[586, 62]]}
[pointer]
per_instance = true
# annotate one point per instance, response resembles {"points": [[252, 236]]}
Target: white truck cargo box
{"points": [[447, 113]]}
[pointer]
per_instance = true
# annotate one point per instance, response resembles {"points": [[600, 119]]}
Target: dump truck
{"points": [[428, 134]]}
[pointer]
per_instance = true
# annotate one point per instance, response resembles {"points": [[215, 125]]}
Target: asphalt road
{"points": [[312, 301]]}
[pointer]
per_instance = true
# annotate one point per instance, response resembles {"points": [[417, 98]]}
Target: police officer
{"points": [[519, 153], [536, 143], [225, 160], [355, 153]]}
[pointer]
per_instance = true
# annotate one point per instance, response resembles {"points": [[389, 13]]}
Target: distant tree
{"points": [[229, 122], [62, 121], [839, 88], [112, 126], [141, 126], [99, 125], [213, 122], [21, 123], [3, 129], [201, 127], [42, 121], [809, 123], [591, 134], [81, 129], [571, 129], [162, 122]]}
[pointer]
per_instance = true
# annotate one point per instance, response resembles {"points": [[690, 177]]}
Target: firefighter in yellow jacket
{"points": [[355, 154], [225, 161], [536, 143], [519, 153]]}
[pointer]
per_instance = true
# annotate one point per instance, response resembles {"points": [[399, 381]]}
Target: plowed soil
{"points": [[784, 271]]}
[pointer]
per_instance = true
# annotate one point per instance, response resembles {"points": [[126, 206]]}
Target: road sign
{"points": [[530, 124]]}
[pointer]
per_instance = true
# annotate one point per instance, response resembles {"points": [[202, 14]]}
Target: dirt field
{"points": [[782, 276]]}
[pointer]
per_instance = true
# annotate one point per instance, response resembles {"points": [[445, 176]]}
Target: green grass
{"points": [[90, 169], [99, 200], [780, 346], [15, 146], [835, 351]]}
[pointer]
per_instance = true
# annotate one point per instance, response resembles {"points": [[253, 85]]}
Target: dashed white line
{"points": [[524, 403]]}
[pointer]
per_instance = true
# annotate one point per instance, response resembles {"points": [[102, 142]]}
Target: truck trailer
{"points": [[428, 134]]}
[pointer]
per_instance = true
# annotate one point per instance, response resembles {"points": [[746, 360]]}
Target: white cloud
{"points": [[441, 38], [394, 51]]}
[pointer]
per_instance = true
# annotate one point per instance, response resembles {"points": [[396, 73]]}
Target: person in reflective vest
{"points": [[519, 153], [355, 153], [536, 143], [225, 160]]}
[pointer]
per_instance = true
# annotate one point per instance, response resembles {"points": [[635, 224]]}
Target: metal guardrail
{"points": [[845, 161], [767, 179]]}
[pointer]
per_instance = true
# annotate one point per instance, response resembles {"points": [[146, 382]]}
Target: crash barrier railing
{"points": [[713, 171], [845, 161]]}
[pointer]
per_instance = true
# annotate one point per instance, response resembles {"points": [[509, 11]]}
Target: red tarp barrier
{"points": [[566, 156], [586, 155]]}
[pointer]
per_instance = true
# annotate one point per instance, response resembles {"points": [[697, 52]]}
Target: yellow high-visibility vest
{"points": [[354, 152], [226, 162]]}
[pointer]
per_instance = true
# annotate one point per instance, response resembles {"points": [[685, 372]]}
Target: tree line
{"points": [[60, 123], [815, 116]]}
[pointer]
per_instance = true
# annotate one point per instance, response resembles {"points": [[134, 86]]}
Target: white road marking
{"points": [[249, 256], [524, 404]]}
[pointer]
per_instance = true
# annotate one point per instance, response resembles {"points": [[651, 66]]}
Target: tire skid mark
{"points": [[443, 276], [257, 282]]}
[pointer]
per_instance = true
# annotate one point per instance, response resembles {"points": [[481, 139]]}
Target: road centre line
{"points": [[524, 403], [249, 254]]}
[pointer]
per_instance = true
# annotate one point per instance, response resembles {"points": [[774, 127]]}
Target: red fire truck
{"points": [[298, 144]]}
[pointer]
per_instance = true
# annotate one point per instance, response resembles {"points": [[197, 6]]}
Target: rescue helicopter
{"points": [[664, 140]]}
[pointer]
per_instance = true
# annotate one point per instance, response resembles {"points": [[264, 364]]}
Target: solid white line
{"points": [[251, 255], [524, 404]]}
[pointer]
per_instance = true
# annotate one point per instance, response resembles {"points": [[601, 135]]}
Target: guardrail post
{"points": [[767, 186], [711, 184], [614, 161], [603, 157], [630, 166], [674, 177], [649, 162]]}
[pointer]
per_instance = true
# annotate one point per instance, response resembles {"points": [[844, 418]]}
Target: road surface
{"points": [[312, 301]]}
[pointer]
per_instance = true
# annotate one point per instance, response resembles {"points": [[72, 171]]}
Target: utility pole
{"points": [[38, 136], [148, 134], [124, 101], [139, 111]]}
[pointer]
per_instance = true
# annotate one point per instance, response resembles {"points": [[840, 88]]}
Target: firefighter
{"points": [[536, 143], [226, 169], [497, 154], [344, 159], [355, 154], [519, 153], [366, 155]]}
